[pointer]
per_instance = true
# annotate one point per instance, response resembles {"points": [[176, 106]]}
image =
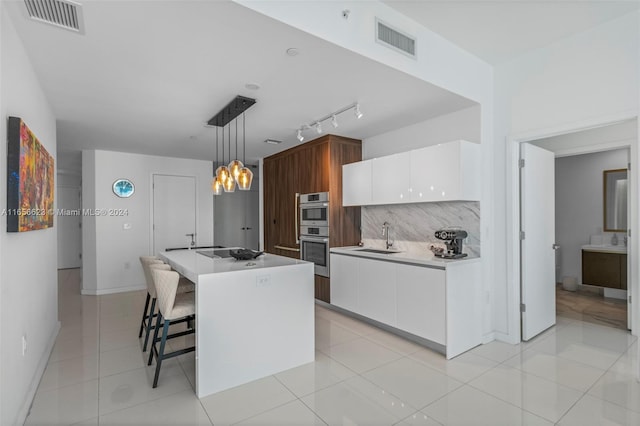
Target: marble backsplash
{"points": [[413, 225]]}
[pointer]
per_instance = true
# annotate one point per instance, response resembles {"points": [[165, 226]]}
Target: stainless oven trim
{"points": [[318, 270], [314, 222], [323, 231], [322, 197]]}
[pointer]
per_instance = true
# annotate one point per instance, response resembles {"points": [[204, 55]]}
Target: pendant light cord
{"points": [[216, 166], [244, 142], [236, 138]]}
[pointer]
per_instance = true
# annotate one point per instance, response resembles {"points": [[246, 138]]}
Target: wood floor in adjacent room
{"points": [[590, 306]]}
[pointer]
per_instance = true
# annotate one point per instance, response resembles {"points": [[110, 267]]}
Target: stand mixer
{"points": [[453, 238]]}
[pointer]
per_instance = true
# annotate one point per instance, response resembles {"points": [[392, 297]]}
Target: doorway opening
{"points": [[591, 276]]}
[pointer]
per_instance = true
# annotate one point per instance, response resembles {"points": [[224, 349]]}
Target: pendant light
{"points": [[222, 171], [235, 165], [229, 183], [216, 184], [245, 177]]}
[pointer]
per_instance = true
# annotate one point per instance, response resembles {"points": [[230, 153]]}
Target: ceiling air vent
{"points": [[395, 39], [61, 13]]}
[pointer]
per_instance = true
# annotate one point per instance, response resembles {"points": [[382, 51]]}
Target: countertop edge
{"points": [[398, 258]]}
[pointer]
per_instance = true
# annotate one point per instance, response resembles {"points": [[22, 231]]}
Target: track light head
{"points": [[334, 121], [299, 135], [357, 112], [318, 127]]}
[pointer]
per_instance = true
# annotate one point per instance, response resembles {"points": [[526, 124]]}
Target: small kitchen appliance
{"points": [[453, 238]]}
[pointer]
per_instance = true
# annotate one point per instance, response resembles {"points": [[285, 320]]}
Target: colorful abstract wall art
{"points": [[30, 180]]}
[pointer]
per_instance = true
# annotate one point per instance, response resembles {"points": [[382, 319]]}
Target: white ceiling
{"points": [[496, 31], [147, 75]]}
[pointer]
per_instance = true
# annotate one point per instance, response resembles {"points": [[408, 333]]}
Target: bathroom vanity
{"points": [[604, 266]]}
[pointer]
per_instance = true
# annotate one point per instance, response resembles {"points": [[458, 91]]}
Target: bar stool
{"points": [[184, 286], [173, 307]]}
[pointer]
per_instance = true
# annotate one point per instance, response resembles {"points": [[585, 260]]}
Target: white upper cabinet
{"points": [[446, 172], [390, 179], [356, 184], [443, 172]]}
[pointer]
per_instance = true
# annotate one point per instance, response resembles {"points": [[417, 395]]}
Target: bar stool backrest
{"points": [[166, 282], [146, 261]]}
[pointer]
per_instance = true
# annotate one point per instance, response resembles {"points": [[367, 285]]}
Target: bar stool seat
{"points": [[173, 307]]}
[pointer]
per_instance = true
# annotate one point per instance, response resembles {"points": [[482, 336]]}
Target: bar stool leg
{"points": [[144, 314], [155, 338], [146, 338], [165, 331]]}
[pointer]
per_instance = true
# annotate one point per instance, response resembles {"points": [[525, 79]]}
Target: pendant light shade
{"points": [[244, 179], [216, 186], [222, 173], [234, 168], [229, 185]]}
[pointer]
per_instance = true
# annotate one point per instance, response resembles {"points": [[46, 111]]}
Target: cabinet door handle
{"points": [[295, 215], [287, 248]]}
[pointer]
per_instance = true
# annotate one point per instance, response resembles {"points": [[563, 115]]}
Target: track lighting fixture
{"points": [[317, 125], [357, 112]]}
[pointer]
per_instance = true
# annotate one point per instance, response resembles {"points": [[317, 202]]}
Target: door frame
{"points": [[152, 200], [513, 144]]}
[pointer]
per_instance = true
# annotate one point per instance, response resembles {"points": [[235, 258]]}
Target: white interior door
{"points": [[236, 219], [537, 210], [174, 211], [69, 232]]}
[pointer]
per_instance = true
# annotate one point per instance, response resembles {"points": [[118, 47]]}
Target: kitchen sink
{"points": [[368, 250]]}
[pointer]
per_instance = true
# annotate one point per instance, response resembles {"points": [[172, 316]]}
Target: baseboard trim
{"points": [[33, 387], [100, 292], [506, 338]]}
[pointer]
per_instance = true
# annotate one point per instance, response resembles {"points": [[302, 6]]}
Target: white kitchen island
{"points": [[253, 318]]}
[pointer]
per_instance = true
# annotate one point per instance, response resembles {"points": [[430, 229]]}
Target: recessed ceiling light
{"points": [[272, 141], [252, 86], [292, 51]]}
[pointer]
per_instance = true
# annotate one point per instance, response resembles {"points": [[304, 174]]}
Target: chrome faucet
{"points": [[385, 233], [193, 240]]}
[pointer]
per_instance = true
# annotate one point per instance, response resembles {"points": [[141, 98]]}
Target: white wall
{"points": [[463, 124], [438, 62], [28, 277], [589, 78], [579, 203], [110, 253]]}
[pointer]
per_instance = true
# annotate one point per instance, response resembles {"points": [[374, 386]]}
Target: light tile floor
{"points": [[576, 373]]}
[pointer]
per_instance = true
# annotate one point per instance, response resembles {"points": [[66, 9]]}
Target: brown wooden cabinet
{"points": [[315, 166], [604, 269]]}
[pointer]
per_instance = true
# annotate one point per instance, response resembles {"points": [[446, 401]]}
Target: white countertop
{"points": [[415, 258], [191, 264], [622, 249]]}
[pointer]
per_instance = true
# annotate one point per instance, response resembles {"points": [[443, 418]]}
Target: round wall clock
{"points": [[123, 188]]}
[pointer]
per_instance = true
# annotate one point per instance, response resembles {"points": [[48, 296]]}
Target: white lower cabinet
{"points": [[344, 282], [439, 305], [376, 290], [420, 300]]}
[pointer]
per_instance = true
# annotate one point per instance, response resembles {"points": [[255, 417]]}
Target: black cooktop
{"points": [[215, 254]]}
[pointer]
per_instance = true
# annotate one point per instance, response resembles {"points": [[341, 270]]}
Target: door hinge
{"points": [[521, 235], [628, 166], [80, 255], [629, 298], [523, 307], [521, 162]]}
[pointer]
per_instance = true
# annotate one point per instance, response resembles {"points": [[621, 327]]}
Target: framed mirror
{"points": [[615, 200]]}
